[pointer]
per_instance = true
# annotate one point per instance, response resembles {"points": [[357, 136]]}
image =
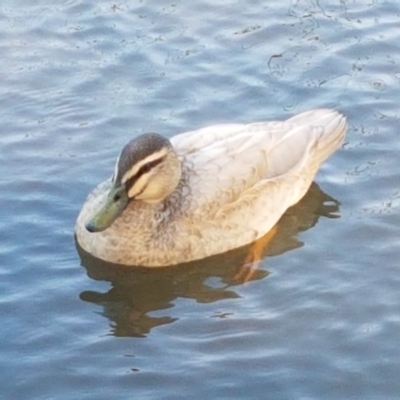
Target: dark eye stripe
{"points": [[144, 169]]}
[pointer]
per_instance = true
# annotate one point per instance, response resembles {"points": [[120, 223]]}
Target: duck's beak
{"points": [[116, 202]]}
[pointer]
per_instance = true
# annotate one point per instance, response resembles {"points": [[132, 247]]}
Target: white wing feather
{"points": [[250, 174]]}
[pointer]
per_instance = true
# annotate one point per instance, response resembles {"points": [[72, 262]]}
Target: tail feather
{"points": [[332, 126], [332, 136]]}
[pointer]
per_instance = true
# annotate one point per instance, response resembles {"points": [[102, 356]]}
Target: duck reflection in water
{"points": [[137, 292]]}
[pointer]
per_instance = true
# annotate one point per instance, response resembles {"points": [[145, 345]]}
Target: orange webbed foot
{"points": [[254, 257]]}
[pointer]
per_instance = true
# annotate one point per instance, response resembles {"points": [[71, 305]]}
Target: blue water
{"points": [[321, 317]]}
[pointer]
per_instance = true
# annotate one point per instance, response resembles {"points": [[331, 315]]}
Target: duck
{"points": [[205, 192]]}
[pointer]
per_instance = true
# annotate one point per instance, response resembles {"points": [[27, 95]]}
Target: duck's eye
{"points": [[146, 168]]}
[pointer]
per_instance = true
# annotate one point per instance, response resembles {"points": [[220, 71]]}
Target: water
{"points": [[320, 319]]}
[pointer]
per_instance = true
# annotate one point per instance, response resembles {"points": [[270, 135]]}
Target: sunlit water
{"points": [[321, 317]]}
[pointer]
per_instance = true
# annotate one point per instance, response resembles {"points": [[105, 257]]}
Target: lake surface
{"points": [[320, 319]]}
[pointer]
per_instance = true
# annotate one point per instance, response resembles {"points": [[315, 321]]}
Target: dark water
{"points": [[321, 317]]}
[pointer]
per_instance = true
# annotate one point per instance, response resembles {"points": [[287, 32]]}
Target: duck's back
{"points": [[244, 177]]}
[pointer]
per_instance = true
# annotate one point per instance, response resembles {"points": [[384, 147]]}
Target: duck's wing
{"points": [[246, 174]]}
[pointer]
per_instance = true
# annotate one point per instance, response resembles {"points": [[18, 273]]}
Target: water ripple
{"points": [[320, 318]]}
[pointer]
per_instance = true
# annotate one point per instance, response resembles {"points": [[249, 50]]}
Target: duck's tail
{"points": [[330, 127]]}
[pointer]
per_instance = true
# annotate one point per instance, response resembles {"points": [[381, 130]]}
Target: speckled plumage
{"points": [[237, 181]]}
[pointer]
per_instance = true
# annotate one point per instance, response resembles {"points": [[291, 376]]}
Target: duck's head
{"points": [[148, 169]]}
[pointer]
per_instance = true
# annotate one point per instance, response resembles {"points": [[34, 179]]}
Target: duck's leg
{"points": [[254, 256]]}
